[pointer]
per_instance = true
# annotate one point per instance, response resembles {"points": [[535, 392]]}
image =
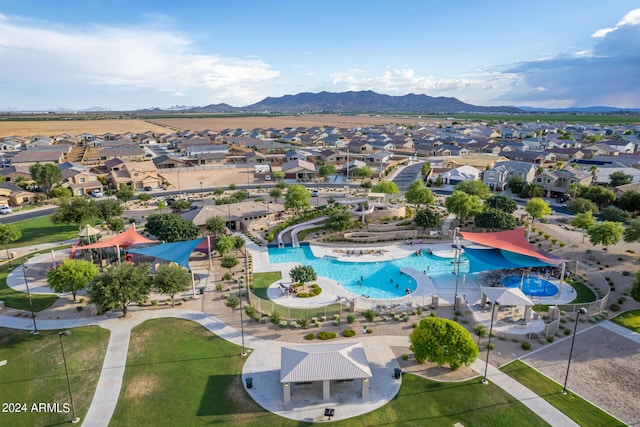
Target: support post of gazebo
{"points": [[286, 391], [564, 268], [326, 389], [365, 387], [193, 284], [527, 314]]}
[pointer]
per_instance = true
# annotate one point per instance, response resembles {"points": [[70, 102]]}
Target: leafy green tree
{"points": [[427, 218], [463, 205], [599, 195], [630, 201], [224, 244], [125, 193], [503, 203], [238, 242], [386, 187], [60, 192], [619, 178], [45, 176], [233, 187], [583, 221], [107, 208], [495, 219], [275, 194], [181, 205], [326, 170], [115, 224], [171, 228], [72, 275], [537, 208], [279, 175], [635, 288], [118, 286], [9, 233], [516, 184], [580, 205], [76, 210], [426, 169], [297, 198], [612, 213], [418, 194], [228, 262], [171, 279], [474, 188], [443, 341], [632, 232], [605, 233], [481, 331], [366, 184], [531, 190], [144, 197], [218, 192], [232, 301], [363, 172], [303, 274], [339, 218], [216, 225]]}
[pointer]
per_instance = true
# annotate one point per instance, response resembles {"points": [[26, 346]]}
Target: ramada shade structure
{"points": [[178, 252], [516, 251], [123, 240]]}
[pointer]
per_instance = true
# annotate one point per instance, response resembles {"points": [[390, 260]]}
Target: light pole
{"points": [[573, 340], [26, 282], [201, 195], [456, 265], [246, 279], [486, 366], [75, 419]]}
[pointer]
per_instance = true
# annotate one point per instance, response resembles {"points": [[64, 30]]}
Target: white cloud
{"points": [[631, 18], [123, 59]]}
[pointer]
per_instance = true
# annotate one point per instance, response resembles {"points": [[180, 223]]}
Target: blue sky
{"points": [[124, 54]]}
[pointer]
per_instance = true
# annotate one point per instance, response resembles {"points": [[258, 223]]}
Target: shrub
{"points": [[323, 318], [351, 318], [325, 335], [405, 356], [621, 300], [567, 331], [455, 318], [369, 331], [414, 325], [154, 302], [369, 314], [491, 346], [293, 324], [614, 307], [304, 323], [275, 317], [283, 324], [526, 345], [250, 310], [550, 339], [336, 322], [432, 314], [385, 319], [457, 313], [348, 333]]}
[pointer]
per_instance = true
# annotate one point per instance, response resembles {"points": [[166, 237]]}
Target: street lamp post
{"points": [[201, 195], [573, 340], [486, 366], [457, 273], [75, 419], [26, 282]]}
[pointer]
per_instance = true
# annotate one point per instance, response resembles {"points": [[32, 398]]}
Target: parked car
{"points": [[4, 210], [267, 177], [148, 188], [314, 193], [96, 193]]}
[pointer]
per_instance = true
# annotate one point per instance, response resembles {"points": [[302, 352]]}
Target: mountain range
{"points": [[355, 102]]}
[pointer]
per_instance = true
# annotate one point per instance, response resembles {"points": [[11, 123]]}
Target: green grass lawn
{"points": [[262, 281], [40, 230], [34, 372], [583, 295], [575, 407], [629, 319], [178, 373], [20, 300]]}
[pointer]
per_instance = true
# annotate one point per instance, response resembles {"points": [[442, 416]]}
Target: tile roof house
{"points": [[559, 181], [497, 178], [165, 161], [255, 158], [459, 174], [14, 195], [12, 173], [136, 174], [299, 169]]}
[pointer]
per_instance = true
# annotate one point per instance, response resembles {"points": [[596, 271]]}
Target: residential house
{"points": [[620, 190], [603, 174], [80, 180], [255, 158], [459, 174], [624, 146], [295, 155], [535, 157], [40, 155], [202, 159], [16, 173], [332, 157], [11, 144], [359, 147], [567, 154], [136, 174], [129, 152], [497, 178], [168, 162], [379, 158], [299, 169], [558, 182], [14, 195]]}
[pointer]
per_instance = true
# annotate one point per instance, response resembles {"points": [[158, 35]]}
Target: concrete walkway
{"points": [[621, 330]]}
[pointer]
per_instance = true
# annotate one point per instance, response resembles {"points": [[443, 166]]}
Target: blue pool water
{"points": [[378, 280], [532, 286]]}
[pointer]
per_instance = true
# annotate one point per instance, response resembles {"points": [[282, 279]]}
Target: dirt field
{"points": [[220, 123], [75, 127]]}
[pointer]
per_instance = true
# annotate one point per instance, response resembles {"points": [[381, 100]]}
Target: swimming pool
{"points": [[378, 280], [531, 286]]}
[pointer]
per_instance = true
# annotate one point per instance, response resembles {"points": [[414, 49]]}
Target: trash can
{"points": [[397, 372], [249, 381]]}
